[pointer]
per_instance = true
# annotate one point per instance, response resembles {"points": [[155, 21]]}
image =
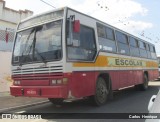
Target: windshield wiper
{"points": [[42, 58], [29, 48], [22, 57]]}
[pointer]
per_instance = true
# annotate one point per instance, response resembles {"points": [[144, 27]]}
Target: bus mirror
{"points": [[76, 26]]}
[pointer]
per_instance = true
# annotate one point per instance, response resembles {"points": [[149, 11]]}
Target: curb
{"points": [[22, 106]]}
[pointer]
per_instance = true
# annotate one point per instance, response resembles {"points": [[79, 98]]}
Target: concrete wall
{"points": [[5, 71], [13, 16]]}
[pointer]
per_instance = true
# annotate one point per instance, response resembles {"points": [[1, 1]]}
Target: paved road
{"points": [[125, 101]]}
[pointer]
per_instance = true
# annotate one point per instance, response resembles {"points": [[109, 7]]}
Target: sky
{"points": [[138, 17]]}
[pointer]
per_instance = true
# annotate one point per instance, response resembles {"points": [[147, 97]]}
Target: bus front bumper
{"points": [[40, 91]]}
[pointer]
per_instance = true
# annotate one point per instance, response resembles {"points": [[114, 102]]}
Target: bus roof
{"points": [[63, 8], [43, 13]]}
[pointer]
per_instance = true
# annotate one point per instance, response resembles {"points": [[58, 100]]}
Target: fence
{"points": [[6, 45]]}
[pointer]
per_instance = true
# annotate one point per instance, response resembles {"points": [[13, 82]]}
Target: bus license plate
{"points": [[31, 92]]}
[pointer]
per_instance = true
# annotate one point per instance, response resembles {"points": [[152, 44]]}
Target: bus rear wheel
{"points": [[144, 85], [101, 93], [56, 101]]}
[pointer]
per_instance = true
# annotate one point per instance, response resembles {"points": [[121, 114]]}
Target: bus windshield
{"points": [[38, 44]]}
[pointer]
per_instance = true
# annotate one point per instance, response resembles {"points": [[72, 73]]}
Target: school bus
{"points": [[64, 54]]}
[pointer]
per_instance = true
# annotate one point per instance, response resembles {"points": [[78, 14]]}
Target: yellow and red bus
{"points": [[64, 54]]}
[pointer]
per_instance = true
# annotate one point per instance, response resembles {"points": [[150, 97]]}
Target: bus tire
{"points": [[56, 101], [144, 85], [101, 92]]}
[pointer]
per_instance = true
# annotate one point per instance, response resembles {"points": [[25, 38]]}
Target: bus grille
{"points": [[38, 70]]}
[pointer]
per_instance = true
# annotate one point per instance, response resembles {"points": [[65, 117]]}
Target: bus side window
{"points": [[134, 50], [148, 50], [84, 46], [122, 42], [106, 38], [153, 53], [101, 31], [143, 51]]}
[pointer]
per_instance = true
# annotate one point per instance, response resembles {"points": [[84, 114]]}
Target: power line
{"points": [[47, 3]]}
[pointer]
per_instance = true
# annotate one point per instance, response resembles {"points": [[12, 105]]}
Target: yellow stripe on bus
{"points": [[108, 61], [100, 62]]}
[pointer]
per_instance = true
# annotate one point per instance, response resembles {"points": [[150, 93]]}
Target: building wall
{"points": [[13, 16], [9, 19]]}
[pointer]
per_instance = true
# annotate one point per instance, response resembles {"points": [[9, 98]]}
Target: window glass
{"points": [[123, 48], [154, 49], [107, 45], [39, 44], [133, 42], [49, 39], [153, 55], [151, 48], [142, 45], [80, 53], [143, 53], [120, 37], [147, 47], [109, 33], [134, 51], [149, 54], [83, 45], [101, 31]]}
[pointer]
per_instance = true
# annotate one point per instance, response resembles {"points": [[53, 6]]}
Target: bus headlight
{"points": [[59, 81], [17, 82], [53, 82]]}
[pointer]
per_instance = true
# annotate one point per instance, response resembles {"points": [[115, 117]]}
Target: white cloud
{"points": [[134, 27], [114, 12], [120, 11]]}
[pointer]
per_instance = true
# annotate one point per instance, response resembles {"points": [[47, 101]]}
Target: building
{"points": [[9, 19]]}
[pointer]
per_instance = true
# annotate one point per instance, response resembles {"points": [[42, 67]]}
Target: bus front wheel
{"points": [[56, 101], [101, 93]]}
